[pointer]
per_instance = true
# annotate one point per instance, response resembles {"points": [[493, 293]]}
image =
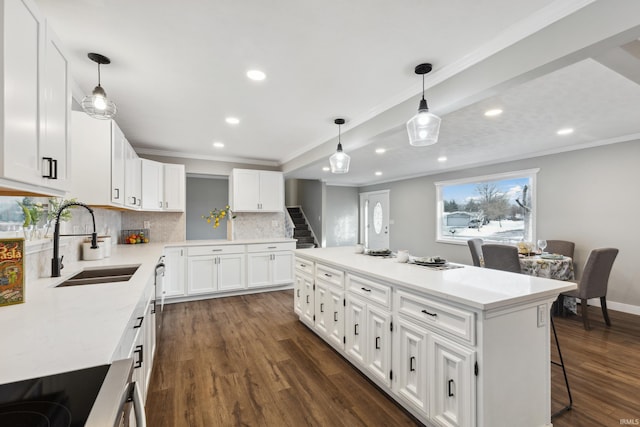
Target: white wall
{"points": [[587, 196], [341, 216]]}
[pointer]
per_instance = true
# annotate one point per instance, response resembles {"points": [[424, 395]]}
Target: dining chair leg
{"points": [[585, 313], [605, 313], [564, 372]]}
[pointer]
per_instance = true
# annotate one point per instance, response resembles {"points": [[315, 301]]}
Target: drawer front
{"points": [[304, 266], [270, 247], [457, 322], [330, 275], [371, 291], [214, 250]]}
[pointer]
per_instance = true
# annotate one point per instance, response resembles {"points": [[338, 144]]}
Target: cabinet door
{"points": [[378, 339], [298, 296], [282, 263], [259, 269], [410, 365], [132, 178], [117, 164], [174, 276], [201, 271], [245, 190], [356, 329], [335, 324], [174, 188], [453, 384], [149, 344], [322, 309], [23, 38], [230, 272], [308, 311], [271, 191], [56, 118], [152, 185]]}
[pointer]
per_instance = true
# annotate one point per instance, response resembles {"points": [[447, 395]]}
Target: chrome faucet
{"points": [[56, 261]]}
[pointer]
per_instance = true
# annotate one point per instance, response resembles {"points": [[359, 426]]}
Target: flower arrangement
{"points": [[217, 214], [32, 211]]}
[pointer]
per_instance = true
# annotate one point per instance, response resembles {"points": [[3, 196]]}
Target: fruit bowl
{"points": [[134, 237]]}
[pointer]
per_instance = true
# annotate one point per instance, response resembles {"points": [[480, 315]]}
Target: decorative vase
{"points": [[28, 232], [230, 234]]}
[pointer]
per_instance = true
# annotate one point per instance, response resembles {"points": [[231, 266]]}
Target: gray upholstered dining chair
{"points": [[501, 257], [594, 282], [475, 246], [562, 247]]}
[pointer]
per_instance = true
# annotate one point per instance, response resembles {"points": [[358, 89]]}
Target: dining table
{"points": [[550, 266]]}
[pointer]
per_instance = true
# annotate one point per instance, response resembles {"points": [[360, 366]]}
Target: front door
{"points": [[377, 220]]}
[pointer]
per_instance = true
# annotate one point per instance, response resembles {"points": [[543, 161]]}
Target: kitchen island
{"points": [[459, 347]]}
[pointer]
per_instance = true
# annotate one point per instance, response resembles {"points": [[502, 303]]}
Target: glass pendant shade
{"points": [[98, 106], [339, 161], [424, 127]]}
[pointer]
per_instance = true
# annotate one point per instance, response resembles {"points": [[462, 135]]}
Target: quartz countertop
{"points": [[476, 287], [228, 242]]}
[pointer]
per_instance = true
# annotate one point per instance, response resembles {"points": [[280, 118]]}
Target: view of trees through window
{"points": [[497, 208]]}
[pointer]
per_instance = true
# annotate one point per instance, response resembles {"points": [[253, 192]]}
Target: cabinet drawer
{"points": [[304, 266], [457, 322], [215, 250], [372, 291], [270, 247], [330, 275]]}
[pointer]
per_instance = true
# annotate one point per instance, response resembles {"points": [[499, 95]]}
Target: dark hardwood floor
{"points": [[248, 361]]}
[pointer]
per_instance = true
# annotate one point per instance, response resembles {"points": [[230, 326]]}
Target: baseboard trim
{"points": [[617, 306]]}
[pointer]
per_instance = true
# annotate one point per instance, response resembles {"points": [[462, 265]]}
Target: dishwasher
{"points": [[158, 302]]}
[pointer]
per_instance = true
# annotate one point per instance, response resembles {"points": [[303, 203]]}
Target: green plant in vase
{"points": [[54, 206]]}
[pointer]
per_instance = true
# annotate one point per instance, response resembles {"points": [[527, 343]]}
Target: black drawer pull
{"points": [[140, 319], [377, 343], [321, 307], [365, 289], [449, 388], [355, 329], [307, 299], [298, 292], [335, 316], [412, 362], [430, 314], [139, 351]]}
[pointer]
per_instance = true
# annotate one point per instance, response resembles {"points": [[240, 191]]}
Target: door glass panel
{"points": [[377, 218]]}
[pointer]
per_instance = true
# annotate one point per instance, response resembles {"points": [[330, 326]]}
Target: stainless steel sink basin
{"points": [[101, 275]]}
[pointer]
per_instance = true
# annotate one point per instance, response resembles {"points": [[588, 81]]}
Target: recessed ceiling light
{"points": [[442, 159], [381, 150], [565, 131], [326, 168], [378, 173], [232, 120], [493, 113], [256, 75], [218, 144]]}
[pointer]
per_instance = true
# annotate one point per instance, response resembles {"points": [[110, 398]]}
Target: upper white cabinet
{"points": [[256, 191], [36, 102], [163, 186], [103, 158]]}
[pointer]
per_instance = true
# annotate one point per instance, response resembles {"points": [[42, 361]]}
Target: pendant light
{"points": [[424, 127], [339, 160], [97, 105]]}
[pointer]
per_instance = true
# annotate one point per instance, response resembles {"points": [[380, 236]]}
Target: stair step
{"points": [[305, 245], [301, 232], [305, 239]]}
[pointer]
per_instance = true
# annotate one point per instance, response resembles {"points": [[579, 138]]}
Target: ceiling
{"points": [[178, 70]]}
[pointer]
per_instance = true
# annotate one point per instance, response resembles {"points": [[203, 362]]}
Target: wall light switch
{"points": [[146, 224], [543, 313]]}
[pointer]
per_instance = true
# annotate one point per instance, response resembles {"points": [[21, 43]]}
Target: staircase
{"points": [[301, 232]]}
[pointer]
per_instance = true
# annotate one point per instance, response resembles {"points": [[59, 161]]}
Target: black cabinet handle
{"points": [[307, 299], [139, 351], [321, 307], [355, 329], [53, 168], [298, 292], [153, 310], [140, 319], [117, 190], [412, 362], [328, 275], [160, 205], [430, 314], [303, 265], [377, 343], [47, 160], [449, 383], [366, 290], [335, 316]]}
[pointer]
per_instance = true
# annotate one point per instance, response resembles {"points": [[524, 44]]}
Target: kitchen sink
{"points": [[101, 275]]}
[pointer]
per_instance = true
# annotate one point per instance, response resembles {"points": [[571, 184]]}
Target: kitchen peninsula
{"points": [[459, 347]]}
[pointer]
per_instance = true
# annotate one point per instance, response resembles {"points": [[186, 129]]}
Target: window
{"points": [[497, 208]]}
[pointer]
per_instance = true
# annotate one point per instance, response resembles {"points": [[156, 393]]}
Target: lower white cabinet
{"points": [[215, 268], [410, 365], [175, 272], [270, 265], [308, 298], [329, 312]]}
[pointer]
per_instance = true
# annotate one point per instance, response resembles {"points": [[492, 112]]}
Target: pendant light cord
{"points": [[422, 84], [101, 86]]}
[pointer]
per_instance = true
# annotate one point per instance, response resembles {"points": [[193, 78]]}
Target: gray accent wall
{"points": [[586, 196], [310, 196], [341, 216], [204, 195]]}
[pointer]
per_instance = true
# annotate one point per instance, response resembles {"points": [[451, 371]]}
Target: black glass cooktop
{"points": [[56, 400]]}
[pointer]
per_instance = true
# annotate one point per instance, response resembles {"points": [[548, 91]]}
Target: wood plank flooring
{"points": [[248, 361]]}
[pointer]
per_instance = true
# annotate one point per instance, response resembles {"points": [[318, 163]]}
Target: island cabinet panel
{"points": [[463, 347]]}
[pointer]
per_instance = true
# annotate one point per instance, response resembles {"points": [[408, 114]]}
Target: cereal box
{"points": [[11, 271]]}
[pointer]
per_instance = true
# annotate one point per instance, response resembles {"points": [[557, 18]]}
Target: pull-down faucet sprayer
{"points": [[56, 261]]}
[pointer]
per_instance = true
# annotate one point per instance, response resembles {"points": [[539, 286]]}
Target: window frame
{"points": [[531, 174]]}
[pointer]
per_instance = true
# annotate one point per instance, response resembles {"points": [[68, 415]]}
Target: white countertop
{"points": [[481, 288], [227, 242]]}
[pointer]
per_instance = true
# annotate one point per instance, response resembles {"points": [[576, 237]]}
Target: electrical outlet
{"points": [[543, 313], [274, 223], [146, 224]]}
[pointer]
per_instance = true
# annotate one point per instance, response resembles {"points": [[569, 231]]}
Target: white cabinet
{"points": [[256, 191], [410, 365], [215, 268], [36, 102], [330, 305], [303, 273], [175, 272], [163, 186], [308, 298], [270, 264], [132, 178]]}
